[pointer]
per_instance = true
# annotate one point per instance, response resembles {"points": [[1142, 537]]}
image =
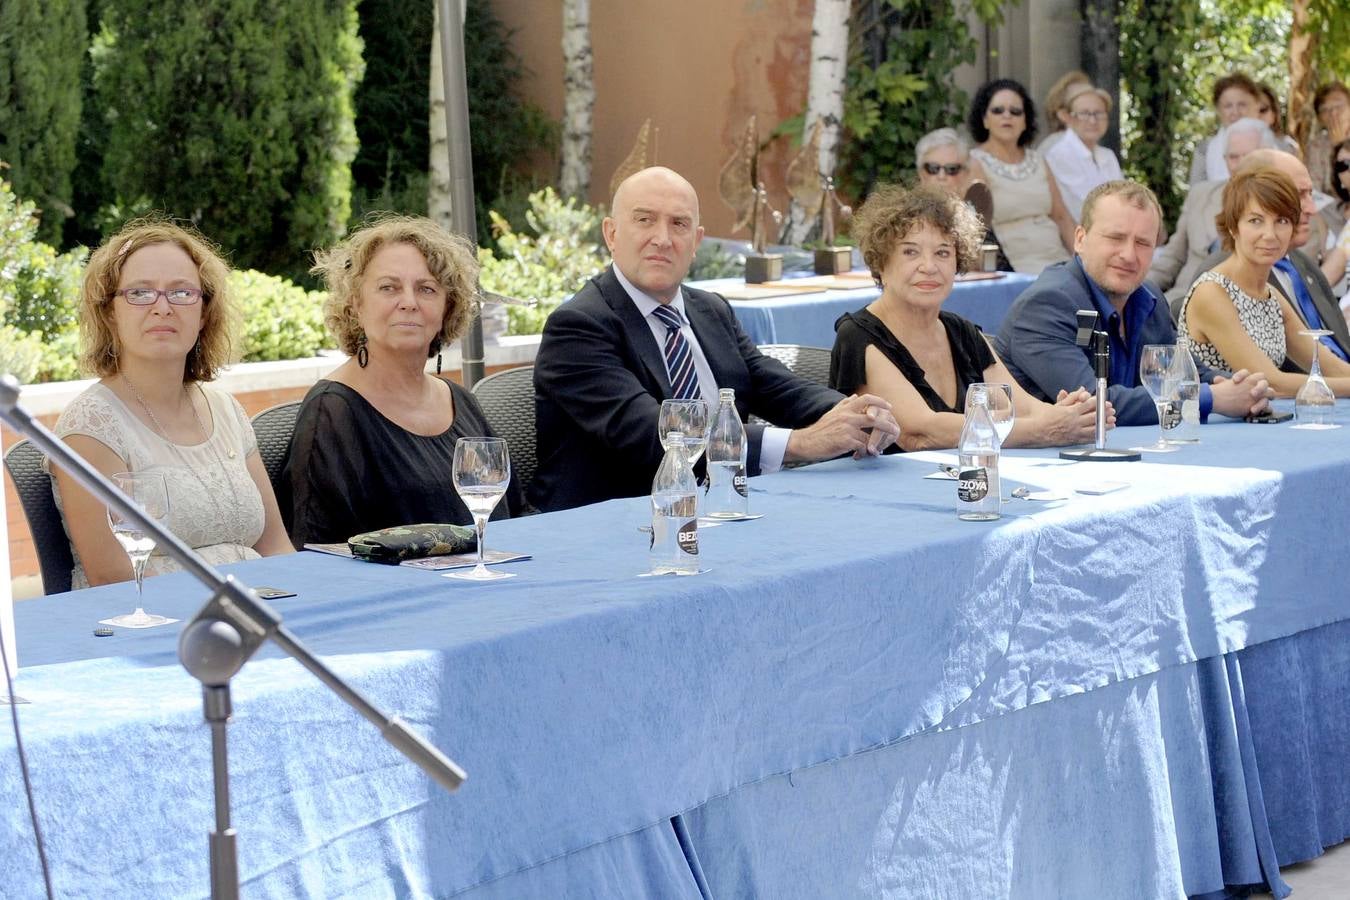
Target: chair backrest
{"points": [[507, 399], [273, 428], [34, 486], [811, 363]]}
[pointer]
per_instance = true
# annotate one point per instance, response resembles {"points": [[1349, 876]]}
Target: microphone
{"points": [[1098, 343]]}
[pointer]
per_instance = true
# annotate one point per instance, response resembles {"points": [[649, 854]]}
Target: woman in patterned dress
{"points": [[1232, 316], [155, 324], [1030, 218]]}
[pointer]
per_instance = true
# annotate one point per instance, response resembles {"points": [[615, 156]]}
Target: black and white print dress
{"points": [[1261, 317]]}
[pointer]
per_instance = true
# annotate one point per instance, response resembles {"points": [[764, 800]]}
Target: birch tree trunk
{"points": [[824, 98], [439, 200], [578, 99], [1300, 121]]}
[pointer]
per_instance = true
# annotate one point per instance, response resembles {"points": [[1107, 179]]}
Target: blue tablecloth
{"points": [[1061, 670], [809, 318]]}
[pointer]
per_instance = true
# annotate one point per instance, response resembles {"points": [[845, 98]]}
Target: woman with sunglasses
{"points": [[1079, 162], [1030, 218], [156, 323], [1335, 263]]}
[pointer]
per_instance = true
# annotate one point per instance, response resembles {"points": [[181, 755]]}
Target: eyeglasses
{"points": [[1341, 165], [1014, 111], [144, 296], [1093, 116], [952, 169]]}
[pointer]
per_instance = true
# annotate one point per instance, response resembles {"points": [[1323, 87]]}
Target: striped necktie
{"points": [[679, 358]]}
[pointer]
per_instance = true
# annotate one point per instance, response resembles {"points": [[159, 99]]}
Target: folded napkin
{"points": [[392, 545]]}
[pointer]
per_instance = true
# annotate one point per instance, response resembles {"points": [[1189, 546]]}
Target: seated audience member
{"points": [[1196, 236], [156, 321], [633, 336], [1235, 97], [1054, 105], [1232, 315], [1078, 161], [942, 158], [1114, 247], [1337, 259], [375, 441], [1029, 216], [1271, 111], [1331, 103], [1296, 276], [904, 348]]}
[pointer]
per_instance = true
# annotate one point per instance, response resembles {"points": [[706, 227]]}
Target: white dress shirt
{"points": [[1078, 170], [773, 443]]}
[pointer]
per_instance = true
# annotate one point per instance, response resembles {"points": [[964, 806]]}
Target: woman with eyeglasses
{"points": [[1030, 218], [1335, 263], [156, 324], [1079, 162]]}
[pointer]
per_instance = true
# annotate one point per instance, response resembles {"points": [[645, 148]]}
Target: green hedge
{"points": [[41, 50], [233, 114]]}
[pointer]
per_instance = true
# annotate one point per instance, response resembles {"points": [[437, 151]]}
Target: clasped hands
{"points": [[861, 425]]}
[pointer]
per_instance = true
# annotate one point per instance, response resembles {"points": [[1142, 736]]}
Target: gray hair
{"points": [[1252, 126], [939, 138]]}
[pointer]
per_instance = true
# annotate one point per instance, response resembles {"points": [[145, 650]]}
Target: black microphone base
{"points": [[1106, 454]]}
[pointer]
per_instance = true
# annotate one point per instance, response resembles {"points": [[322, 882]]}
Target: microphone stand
{"points": [[1100, 344], [218, 640]]}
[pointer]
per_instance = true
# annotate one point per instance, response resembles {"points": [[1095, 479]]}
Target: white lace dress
{"points": [[214, 506], [1022, 204], [1260, 317]]}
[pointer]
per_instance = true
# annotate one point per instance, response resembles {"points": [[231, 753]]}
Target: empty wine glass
{"points": [[690, 418], [1154, 363], [146, 490], [481, 472], [1315, 403], [998, 398]]}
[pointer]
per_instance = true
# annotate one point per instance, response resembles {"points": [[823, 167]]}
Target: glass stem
{"points": [[1317, 361], [1162, 432], [480, 523], [138, 569]]}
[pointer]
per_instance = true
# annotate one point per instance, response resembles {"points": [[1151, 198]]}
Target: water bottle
{"points": [[728, 495], [674, 548], [1182, 420], [978, 493]]}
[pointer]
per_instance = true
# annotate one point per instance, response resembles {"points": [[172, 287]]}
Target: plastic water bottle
{"points": [[978, 492], [728, 495], [674, 546], [1182, 423]]}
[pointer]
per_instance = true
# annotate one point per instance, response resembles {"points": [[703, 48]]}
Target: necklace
{"points": [[201, 426]]}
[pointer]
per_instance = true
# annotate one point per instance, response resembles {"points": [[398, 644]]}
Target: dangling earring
{"points": [[362, 351]]}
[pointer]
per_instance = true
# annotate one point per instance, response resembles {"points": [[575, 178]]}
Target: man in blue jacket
{"points": [[1112, 250]]}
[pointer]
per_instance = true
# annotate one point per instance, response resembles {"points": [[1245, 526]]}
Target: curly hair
{"points": [[1270, 189], [100, 351], [450, 259], [980, 105], [893, 211]]}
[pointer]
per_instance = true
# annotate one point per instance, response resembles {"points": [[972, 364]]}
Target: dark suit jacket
{"points": [[599, 380], [1328, 307]]}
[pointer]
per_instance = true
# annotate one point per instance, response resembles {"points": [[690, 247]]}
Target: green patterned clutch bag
{"points": [[393, 545]]}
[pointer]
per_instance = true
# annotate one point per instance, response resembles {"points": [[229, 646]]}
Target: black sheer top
{"points": [[854, 332], [351, 470]]}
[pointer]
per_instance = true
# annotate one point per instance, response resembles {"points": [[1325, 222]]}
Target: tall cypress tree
{"points": [[236, 115], [42, 45]]}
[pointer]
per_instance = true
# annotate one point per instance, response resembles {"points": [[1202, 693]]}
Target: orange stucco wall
{"points": [[698, 69]]}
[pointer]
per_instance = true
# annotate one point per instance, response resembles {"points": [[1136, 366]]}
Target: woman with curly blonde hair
{"points": [[156, 321], [374, 441], [906, 349]]}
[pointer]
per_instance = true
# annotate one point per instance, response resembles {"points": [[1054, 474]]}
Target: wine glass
{"points": [[1315, 404], [1154, 364], [690, 418], [147, 490], [998, 399], [481, 472]]}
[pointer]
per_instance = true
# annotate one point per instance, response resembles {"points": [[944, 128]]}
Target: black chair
{"points": [[24, 462], [507, 399], [273, 428], [811, 363]]}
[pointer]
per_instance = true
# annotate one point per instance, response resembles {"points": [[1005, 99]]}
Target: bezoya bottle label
{"points": [[972, 484], [739, 482], [687, 537]]}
